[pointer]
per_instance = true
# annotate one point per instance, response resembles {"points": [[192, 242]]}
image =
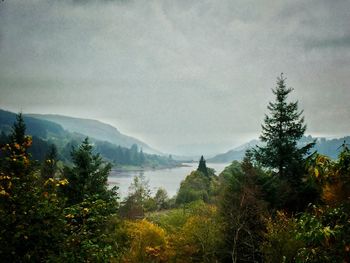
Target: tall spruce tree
{"points": [[18, 130], [88, 176], [202, 167], [281, 131]]}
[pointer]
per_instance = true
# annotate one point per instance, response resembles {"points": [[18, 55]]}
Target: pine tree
{"points": [[202, 167], [49, 166], [31, 217], [281, 131], [88, 177], [18, 130]]}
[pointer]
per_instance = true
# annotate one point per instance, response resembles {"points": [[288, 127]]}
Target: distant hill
{"points": [[40, 128], [227, 157], [45, 133], [329, 147], [95, 129]]}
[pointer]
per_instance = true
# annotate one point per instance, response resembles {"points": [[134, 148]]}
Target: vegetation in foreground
{"points": [[280, 204]]}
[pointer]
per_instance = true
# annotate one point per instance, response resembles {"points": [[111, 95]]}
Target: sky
{"points": [[184, 76]]}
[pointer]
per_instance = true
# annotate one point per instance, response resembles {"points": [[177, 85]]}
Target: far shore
{"points": [[146, 168]]}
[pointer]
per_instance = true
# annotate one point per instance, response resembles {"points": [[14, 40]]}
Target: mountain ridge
{"points": [[45, 132], [329, 147], [96, 129]]}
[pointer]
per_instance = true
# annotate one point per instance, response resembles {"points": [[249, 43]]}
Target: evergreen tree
{"points": [[49, 166], [18, 130], [281, 131], [31, 219], [202, 167], [88, 176], [93, 227]]}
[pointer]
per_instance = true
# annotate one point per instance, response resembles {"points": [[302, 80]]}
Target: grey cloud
{"points": [[176, 72]]}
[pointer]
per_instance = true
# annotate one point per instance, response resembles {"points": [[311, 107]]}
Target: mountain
{"points": [[235, 154], [39, 128], [95, 129], [329, 147], [45, 133]]}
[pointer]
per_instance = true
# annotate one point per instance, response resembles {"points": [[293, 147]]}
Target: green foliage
{"points": [[332, 177], [281, 243], [31, 219], [39, 149], [202, 167], [243, 212], [194, 187], [201, 184], [200, 237], [325, 232], [93, 231], [49, 166], [322, 233], [171, 220], [88, 176], [138, 200], [18, 130], [281, 132], [193, 233], [161, 199], [36, 225], [131, 156], [319, 235]]}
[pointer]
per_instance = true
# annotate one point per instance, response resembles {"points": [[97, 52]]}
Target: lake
{"points": [[169, 179]]}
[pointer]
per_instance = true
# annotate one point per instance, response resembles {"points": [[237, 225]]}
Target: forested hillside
{"points": [[45, 133], [95, 129]]}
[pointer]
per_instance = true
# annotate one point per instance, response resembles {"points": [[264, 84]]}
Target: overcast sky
{"points": [[177, 74]]}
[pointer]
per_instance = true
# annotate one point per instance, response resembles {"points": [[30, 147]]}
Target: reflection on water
{"points": [[169, 179]]}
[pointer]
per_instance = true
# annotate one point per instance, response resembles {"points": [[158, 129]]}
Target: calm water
{"points": [[169, 179]]}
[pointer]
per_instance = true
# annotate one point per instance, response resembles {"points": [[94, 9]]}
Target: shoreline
{"points": [[147, 168]]}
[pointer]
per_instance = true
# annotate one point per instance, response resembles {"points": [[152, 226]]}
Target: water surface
{"points": [[169, 179]]}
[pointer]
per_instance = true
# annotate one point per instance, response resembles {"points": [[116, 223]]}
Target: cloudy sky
{"points": [[176, 74]]}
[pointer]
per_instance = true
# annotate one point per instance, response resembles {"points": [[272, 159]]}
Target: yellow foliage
{"points": [[3, 193], [63, 182], [316, 173], [49, 181], [198, 238], [331, 178], [69, 216], [148, 242]]}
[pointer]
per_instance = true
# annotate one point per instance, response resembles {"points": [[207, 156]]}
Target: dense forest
{"points": [[281, 203]]}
